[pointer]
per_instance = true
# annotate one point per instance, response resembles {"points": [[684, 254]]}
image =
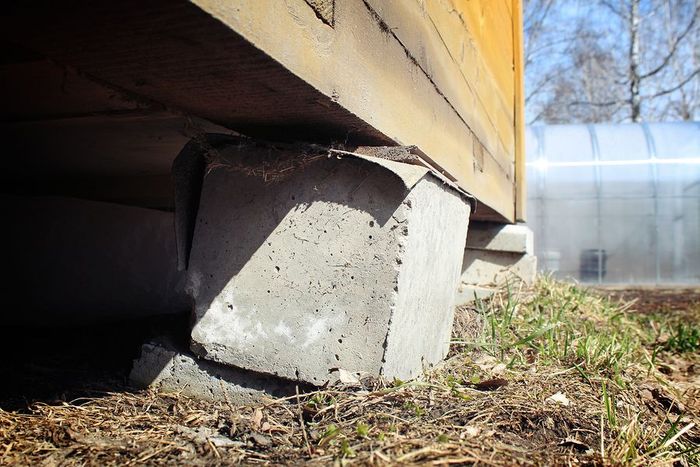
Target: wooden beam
{"points": [[278, 70], [363, 65], [519, 105]]}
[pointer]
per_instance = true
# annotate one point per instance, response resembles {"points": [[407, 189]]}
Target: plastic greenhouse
{"points": [[616, 203]]}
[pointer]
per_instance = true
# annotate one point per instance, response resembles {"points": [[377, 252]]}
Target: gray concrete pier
{"points": [[495, 254], [78, 261], [345, 264]]}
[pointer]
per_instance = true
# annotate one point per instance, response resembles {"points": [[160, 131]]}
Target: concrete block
{"points": [[161, 366], [467, 293], [345, 264], [73, 260], [509, 238], [482, 267], [494, 255]]}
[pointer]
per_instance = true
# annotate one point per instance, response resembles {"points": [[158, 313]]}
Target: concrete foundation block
{"points": [[494, 255], [506, 238], [345, 264], [467, 293], [78, 261], [485, 267], [161, 366]]}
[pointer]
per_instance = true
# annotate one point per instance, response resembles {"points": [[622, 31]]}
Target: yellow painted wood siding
{"points": [[438, 74]]}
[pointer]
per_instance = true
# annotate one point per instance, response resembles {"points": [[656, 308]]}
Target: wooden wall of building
{"points": [[443, 75]]}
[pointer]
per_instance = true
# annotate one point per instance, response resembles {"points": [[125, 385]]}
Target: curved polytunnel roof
{"points": [[616, 203], [629, 159], [611, 144]]}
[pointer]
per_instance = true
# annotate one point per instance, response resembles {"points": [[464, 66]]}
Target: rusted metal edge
{"points": [[406, 164]]}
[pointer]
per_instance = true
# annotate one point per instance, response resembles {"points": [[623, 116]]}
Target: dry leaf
{"points": [[471, 431], [261, 440], [573, 442], [559, 398], [256, 419], [491, 384], [346, 377]]}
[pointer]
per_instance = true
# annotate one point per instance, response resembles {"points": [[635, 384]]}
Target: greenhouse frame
{"points": [[616, 203]]}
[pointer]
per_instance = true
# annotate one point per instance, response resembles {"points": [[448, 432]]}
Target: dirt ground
{"points": [[550, 375], [654, 300]]}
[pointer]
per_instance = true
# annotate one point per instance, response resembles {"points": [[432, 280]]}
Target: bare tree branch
{"points": [[674, 46], [674, 88], [599, 104], [613, 60], [617, 11], [544, 82]]}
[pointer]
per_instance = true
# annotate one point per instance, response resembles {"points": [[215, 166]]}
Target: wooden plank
{"points": [[437, 38], [519, 104], [99, 145], [365, 68], [473, 37], [490, 23], [38, 89], [174, 54], [151, 191], [325, 10], [274, 69]]}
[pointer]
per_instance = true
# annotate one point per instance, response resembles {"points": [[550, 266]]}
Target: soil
{"points": [[65, 400], [656, 300]]}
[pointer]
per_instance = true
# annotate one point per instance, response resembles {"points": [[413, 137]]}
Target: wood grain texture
{"points": [[437, 74], [173, 53], [325, 10], [363, 65], [519, 105]]}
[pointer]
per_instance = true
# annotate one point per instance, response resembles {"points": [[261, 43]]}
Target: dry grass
{"points": [[625, 387], [273, 162]]}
